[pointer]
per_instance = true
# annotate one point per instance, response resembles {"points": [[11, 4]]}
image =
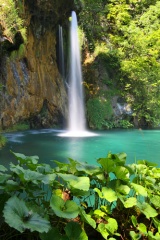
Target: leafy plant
{"points": [[3, 140], [98, 111], [10, 20], [74, 200]]}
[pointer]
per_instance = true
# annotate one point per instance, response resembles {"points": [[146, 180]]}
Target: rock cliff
{"points": [[31, 86]]}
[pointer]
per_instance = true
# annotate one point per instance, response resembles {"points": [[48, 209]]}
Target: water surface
{"points": [[138, 144]]}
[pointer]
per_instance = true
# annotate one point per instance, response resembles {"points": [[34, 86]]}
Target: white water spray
{"points": [[76, 120], [61, 53], [76, 105]]}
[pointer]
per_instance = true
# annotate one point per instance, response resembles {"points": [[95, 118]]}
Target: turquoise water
{"points": [[138, 144]]}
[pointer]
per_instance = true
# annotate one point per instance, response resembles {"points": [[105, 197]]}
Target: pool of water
{"points": [[138, 144]]}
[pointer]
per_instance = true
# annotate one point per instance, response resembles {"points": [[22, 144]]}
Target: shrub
{"points": [[3, 141], [98, 110], [10, 20], [76, 200]]}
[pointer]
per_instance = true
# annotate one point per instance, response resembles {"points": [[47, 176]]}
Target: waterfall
{"points": [[76, 104], [76, 110], [61, 53]]}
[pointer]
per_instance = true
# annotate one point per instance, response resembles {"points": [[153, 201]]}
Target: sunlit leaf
{"points": [[134, 220], [76, 183], [155, 200], [130, 202], [102, 229], [139, 189], [120, 158], [107, 164], [64, 209], [147, 210], [121, 173], [123, 189], [142, 228], [107, 193], [98, 213], [87, 218], [135, 236], [111, 225]]}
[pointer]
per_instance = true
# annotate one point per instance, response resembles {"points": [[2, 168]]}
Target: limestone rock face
{"points": [[31, 87]]}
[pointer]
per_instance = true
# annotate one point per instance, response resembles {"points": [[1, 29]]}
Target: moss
{"points": [[3, 140], [17, 127]]}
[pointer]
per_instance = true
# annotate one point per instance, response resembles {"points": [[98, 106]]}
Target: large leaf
{"points": [[112, 225], [135, 236], [4, 177], [107, 164], [130, 202], [53, 234], [20, 217], [147, 210], [62, 167], [119, 158], [2, 168], [107, 193], [27, 175], [139, 189], [44, 168], [142, 228], [36, 177], [72, 166], [102, 229], [18, 170], [123, 189], [87, 218], [12, 186], [155, 200], [121, 173], [74, 231], [26, 159], [64, 209], [88, 169], [76, 183]]}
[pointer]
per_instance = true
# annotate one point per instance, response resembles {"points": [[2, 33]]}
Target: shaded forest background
{"points": [[120, 44]]}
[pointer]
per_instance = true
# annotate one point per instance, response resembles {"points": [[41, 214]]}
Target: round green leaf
{"points": [[139, 189], [18, 216], [147, 210], [74, 231], [107, 193], [68, 209], [130, 202]]}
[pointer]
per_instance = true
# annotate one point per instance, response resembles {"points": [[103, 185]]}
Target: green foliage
{"points": [[3, 140], [118, 200], [18, 54], [10, 20], [98, 111], [20, 217], [18, 127], [127, 33], [124, 124]]}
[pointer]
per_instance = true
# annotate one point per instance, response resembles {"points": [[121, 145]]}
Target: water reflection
{"points": [[49, 146]]}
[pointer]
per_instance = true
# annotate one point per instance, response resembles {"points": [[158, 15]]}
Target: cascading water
{"points": [[76, 105], [61, 53], [76, 119]]}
